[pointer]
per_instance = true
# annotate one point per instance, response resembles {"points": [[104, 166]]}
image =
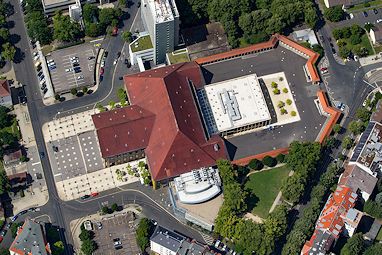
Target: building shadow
{"points": [[207, 75], [231, 149]]}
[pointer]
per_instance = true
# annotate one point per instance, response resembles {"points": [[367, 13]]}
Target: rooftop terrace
{"points": [[141, 43]]}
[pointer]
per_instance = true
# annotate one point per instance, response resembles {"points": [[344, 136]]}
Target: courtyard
{"points": [[301, 92]]}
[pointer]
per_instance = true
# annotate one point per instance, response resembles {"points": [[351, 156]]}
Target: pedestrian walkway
{"points": [[34, 197]]}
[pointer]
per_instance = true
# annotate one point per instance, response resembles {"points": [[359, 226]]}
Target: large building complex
{"points": [[161, 20], [51, 6]]}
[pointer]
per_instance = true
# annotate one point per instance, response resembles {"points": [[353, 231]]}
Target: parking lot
{"points": [[303, 93], [74, 67], [119, 227], [360, 18]]}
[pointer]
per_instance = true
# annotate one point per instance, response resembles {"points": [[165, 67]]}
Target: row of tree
{"points": [[249, 20], [37, 23], [248, 237], [8, 51], [88, 245], [304, 226], [143, 233], [349, 40], [356, 245], [302, 158]]}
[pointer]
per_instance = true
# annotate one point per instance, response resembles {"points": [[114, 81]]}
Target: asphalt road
{"points": [[61, 213]]}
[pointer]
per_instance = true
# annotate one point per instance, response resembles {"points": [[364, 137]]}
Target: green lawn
{"points": [[379, 236], [365, 43], [264, 187], [143, 43], [13, 129], [178, 56]]}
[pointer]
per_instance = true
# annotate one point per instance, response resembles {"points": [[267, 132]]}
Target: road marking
{"points": [[96, 40], [36, 163], [57, 174]]}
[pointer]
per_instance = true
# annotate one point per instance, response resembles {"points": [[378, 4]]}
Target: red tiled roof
{"points": [[123, 130], [4, 88], [272, 153], [177, 143], [334, 115]]}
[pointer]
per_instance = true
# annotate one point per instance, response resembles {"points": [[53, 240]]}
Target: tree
{"points": [[73, 91], [255, 164], [274, 84], [373, 208], [123, 3], [88, 246], [355, 39], [8, 52], [38, 27], [293, 113], [5, 119], [375, 249], [288, 101], [85, 90], [337, 128], [285, 90], [4, 251], [293, 187], [280, 158], [105, 209], [269, 161], [368, 26], [112, 105], [92, 29], [378, 198], [344, 52], [58, 248], [280, 104], [354, 246], [7, 138], [347, 143], [356, 127], [334, 14], [363, 114], [57, 97], [127, 36], [15, 227], [114, 207], [318, 48], [4, 182], [337, 33], [86, 235], [143, 233], [276, 91], [276, 223], [65, 29], [4, 34], [89, 12]]}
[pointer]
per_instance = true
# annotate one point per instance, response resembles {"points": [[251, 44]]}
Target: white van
{"points": [[37, 64], [42, 81]]}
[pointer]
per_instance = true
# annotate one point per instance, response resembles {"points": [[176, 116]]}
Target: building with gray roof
{"points": [[30, 239]]}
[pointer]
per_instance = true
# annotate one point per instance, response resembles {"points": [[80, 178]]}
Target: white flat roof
{"points": [[237, 102], [198, 186], [161, 10]]}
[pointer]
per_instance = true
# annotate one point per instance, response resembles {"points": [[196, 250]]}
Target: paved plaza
{"points": [[75, 157]]}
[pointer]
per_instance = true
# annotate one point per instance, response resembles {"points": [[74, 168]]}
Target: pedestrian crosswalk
{"points": [[207, 238]]}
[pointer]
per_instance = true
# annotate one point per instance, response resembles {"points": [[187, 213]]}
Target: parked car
{"points": [[94, 194], [68, 70], [81, 77], [3, 232], [14, 218], [103, 63], [91, 57], [365, 14], [217, 243], [375, 11], [101, 71], [42, 154], [99, 225], [323, 68], [115, 61], [105, 54], [73, 58], [85, 197], [77, 70], [118, 54], [45, 90], [379, 20]]}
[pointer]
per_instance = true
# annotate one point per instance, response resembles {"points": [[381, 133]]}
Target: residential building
{"points": [[359, 181], [161, 20], [30, 239], [11, 158], [376, 34], [368, 152], [51, 6], [5, 94], [163, 123], [335, 217], [305, 35], [167, 242]]}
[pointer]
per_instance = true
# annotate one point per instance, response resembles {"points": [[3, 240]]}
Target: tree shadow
{"points": [[14, 38], [10, 24], [19, 56], [252, 200]]}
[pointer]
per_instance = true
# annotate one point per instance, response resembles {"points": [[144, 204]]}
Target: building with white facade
{"points": [[198, 186], [5, 94], [51, 6], [161, 20], [141, 50], [75, 11], [234, 106]]}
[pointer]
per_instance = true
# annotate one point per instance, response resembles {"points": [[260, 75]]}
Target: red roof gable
{"points": [[178, 143], [123, 130], [4, 88]]}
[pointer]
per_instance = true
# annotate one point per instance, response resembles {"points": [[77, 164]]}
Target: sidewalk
{"points": [[34, 198]]}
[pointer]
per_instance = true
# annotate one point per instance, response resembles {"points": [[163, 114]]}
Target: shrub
{"points": [[280, 158], [288, 101], [274, 85], [269, 161], [285, 90], [281, 78], [283, 111], [280, 104], [114, 207], [255, 164], [337, 128], [105, 210], [276, 91], [57, 97], [84, 90], [293, 113], [73, 91]]}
